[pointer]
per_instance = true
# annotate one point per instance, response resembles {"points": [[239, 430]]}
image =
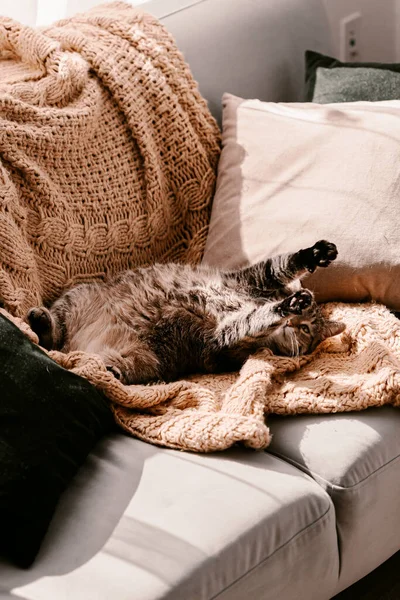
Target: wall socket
{"points": [[350, 38]]}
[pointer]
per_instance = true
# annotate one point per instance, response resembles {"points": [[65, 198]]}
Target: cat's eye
{"points": [[305, 329]]}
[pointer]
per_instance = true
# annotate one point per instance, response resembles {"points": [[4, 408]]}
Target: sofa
{"points": [[307, 518]]}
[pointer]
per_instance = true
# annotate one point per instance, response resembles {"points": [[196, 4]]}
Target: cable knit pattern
{"points": [[108, 153], [108, 160], [359, 369]]}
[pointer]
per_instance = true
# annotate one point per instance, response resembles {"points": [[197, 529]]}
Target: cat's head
{"points": [[302, 334]]}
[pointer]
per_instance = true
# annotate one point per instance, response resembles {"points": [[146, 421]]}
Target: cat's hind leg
{"points": [[42, 323], [134, 365]]}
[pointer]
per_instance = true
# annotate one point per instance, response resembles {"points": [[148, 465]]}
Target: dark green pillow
{"points": [[328, 80], [50, 419]]}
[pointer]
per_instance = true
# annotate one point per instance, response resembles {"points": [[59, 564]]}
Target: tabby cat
{"points": [[165, 321]]}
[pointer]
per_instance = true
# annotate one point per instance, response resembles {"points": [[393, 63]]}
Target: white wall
{"points": [[45, 12], [380, 27], [21, 10], [380, 39]]}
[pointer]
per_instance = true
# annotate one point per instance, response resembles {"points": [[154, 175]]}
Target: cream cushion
{"points": [[291, 174]]}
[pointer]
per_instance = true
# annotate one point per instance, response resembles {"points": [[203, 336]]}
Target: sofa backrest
{"points": [[251, 48]]}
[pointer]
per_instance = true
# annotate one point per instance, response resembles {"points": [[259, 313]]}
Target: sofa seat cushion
{"points": [[355, 457], [146, 523]]}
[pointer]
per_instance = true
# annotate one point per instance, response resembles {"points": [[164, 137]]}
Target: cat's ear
{"points": [[332, 328]]}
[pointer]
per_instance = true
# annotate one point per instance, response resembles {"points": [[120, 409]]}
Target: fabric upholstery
{"points": [[74, 560], [356, 458], [145, 523]]}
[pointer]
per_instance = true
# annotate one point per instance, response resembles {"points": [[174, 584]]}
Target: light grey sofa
{"points": [[304, 520]]}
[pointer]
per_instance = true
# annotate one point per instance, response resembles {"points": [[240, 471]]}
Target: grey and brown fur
{"points": [[165, 321]]}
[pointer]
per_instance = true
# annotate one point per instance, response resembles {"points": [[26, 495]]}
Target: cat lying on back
{"points": [[165, 321]]}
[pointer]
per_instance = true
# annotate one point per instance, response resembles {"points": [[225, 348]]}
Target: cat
{"points": [[165, 321]]}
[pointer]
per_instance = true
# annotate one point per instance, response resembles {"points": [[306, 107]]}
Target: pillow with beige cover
{"points": [[291, 174]]}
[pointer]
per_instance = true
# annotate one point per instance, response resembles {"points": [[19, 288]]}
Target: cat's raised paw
{"points": [[295, 304], [319, 255], [324, 253]]}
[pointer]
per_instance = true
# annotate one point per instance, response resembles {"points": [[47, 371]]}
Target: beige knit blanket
{"points": [[108, 153], [107, 160], [359, 369]]}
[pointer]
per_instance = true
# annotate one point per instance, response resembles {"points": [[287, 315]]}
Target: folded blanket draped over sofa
{"points": [[108, 153], [108, 160]]}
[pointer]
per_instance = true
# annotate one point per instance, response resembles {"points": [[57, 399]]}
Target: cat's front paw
{"points": [[319, 255], [295, 304]]}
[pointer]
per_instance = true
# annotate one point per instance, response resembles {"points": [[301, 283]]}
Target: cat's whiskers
{"points": [[295, 345]]}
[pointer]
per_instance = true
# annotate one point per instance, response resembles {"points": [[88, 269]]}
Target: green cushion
{"points": [[50, 419], [328, 80]]}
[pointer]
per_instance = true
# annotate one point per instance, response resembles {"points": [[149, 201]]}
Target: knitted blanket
{"points": [[107, 160], [207, 413], [108, 153]]}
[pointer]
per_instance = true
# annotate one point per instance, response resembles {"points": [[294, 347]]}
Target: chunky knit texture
{"points": [[108, 160], [108, 153], [208, 413]]}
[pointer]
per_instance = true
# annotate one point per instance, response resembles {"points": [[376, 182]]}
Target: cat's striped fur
{"points": [[164, 321]]}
